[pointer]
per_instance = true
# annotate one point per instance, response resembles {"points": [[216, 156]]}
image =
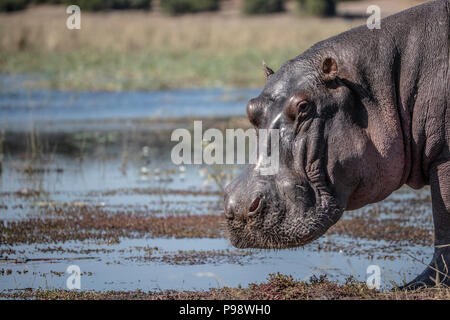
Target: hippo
{"points": [[359, 115]]}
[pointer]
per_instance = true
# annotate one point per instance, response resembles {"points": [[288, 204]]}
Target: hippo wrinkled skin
{"points": [[359, 115]]}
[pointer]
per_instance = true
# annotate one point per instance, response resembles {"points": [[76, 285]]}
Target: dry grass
{"points": [[44, 29], [278, 287], [139, 50], [147, 50]]}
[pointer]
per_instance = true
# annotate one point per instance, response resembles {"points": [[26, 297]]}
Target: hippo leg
{"points": [[438, 271]]}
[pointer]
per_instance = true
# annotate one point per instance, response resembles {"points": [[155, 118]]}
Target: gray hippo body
{"points": [[359, 115]]}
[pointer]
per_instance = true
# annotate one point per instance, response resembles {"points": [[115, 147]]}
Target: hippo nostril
{"points": [[229, 209], [229, 214], [255, 205]]}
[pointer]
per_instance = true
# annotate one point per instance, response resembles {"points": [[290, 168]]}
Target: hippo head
{"points": [[324, 151]]}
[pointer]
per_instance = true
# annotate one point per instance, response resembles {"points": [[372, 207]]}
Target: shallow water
{"points": [[124, 267], [140, 177], [19, 107]]}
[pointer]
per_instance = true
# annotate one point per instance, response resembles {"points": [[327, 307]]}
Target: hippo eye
{"points": [[294, 109]]}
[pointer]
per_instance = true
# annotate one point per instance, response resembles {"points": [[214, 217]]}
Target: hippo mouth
{"points": [[282, 224]]}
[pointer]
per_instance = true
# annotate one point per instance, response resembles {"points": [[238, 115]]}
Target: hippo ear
{"points": [[329, 69], [267, 70]]}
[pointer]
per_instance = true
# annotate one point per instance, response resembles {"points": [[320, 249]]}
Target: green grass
{"points": [[144, 70]]}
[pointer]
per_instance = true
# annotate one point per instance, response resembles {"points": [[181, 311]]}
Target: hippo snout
{"points": [[242, 204], [274, 212]]}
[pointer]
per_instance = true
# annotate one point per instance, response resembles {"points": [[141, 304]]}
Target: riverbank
{"points": [[277, 287], [136, 50], [147, 50]]}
